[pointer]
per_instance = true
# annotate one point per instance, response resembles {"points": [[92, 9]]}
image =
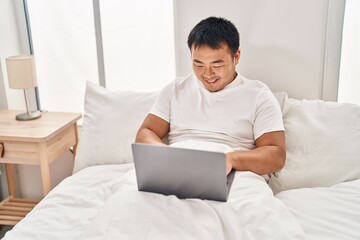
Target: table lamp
{"points": [[22, 75]]}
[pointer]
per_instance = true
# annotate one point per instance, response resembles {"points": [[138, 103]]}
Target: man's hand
{"points": [[268, 156], [228, 163], [152, 130]]}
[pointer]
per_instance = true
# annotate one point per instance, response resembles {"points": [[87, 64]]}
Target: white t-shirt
{"points": [[235, 116]]}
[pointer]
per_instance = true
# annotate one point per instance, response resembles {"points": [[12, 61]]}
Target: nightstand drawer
{"points": [[20, 152]]}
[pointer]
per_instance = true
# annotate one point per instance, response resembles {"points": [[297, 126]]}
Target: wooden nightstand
{"points": [[35, 142]]}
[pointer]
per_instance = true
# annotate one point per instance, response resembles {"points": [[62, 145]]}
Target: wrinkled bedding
{"points": [[326, 212], [102, 202]]}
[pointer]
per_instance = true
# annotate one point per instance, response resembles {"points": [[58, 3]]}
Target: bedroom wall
{"points": [[282, 42]]}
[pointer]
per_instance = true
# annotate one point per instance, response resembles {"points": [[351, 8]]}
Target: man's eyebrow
{"points": [[216, 61], [197, 61]]}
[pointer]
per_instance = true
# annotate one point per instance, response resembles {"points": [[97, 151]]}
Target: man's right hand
{"points": [[152, 130], [228, 163]]}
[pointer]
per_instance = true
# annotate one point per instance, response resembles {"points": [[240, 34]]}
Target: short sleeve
{"points": [[268, 116], [161, 108]]}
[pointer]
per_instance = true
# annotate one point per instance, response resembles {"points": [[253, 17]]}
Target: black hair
{"points": [[214, 31]]}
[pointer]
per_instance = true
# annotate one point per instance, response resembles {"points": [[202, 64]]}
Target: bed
{"points": [[315, 196]]}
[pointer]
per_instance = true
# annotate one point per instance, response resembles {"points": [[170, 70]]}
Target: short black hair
{"points": [[214, 31]]}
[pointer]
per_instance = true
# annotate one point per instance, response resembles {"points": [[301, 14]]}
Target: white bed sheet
{"points": [[103, 202], [326, 212]]}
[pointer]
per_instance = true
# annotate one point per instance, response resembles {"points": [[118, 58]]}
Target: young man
{"points": [[217, 105]]}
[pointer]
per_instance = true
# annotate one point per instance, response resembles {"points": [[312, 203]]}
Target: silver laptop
{"points": [[182, 172]]}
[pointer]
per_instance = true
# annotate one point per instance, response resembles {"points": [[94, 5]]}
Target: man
{"points": [[218, 105]]}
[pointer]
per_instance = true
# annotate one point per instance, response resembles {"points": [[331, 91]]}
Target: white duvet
{"points": [[330, 213], [103, 202]]}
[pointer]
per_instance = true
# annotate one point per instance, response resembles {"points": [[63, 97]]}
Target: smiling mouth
{"points": [[211, 82]]}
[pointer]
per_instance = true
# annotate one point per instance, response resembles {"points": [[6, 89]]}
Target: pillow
{"points": [[323, 145], [111, 121], [282, 98]]}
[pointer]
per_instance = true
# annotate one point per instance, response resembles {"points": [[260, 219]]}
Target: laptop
{"points": [[185, 173]]}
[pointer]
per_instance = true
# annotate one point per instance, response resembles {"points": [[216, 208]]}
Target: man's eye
{"points": [[218, 66], [198, 66]]}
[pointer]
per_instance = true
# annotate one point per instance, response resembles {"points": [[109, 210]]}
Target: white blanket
{"points": [[103, 202], [329, 213]]}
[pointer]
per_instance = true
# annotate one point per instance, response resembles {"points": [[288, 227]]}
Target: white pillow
{"points": [[323, 145], [282, 98], [111, 120]]}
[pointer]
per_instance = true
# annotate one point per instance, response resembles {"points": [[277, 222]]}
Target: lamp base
{"points": [[28, 116]]}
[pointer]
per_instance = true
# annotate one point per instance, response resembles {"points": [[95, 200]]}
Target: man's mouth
{"points": [[212, 81]]}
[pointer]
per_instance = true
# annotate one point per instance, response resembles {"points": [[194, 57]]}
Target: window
{"points": [[65, 51], [139, 48], [138, 43], [349, 80]]}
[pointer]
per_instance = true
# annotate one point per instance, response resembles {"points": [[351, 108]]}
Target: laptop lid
{"points": [[185, 173]]}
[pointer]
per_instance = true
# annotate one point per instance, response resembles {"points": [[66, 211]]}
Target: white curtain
{"points": [[138, 43], [349, 83], [139, 48]]}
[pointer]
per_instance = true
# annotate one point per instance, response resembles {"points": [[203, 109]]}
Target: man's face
{"points": [[215, 68]]}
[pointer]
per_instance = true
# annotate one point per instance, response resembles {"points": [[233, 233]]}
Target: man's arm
{"points": [[268, 156], [152, 130]]}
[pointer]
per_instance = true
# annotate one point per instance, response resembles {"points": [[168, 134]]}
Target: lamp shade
{"points": [[21, 71]]}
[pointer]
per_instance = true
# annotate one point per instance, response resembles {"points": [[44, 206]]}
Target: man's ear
{"points": [[237, 56]]}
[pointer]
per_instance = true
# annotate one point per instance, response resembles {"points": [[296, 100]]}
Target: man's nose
{"points": [[208, 72]]}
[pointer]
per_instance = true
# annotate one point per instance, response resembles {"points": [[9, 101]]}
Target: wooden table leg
{"points": [[77, 139], [9, 168], [45, 168]]}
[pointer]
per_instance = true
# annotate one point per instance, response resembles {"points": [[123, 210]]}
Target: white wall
{"points": [[282, 42]]}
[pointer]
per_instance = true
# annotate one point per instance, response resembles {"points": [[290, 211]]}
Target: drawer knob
{"points": [[2, 150]]}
